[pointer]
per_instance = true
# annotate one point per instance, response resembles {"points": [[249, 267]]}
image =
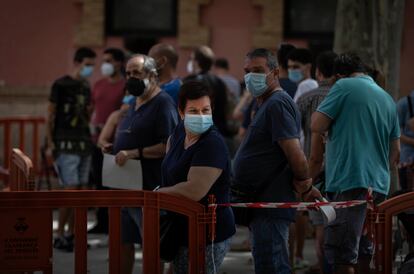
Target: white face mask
{"points": [[107, 69], [190, 67]]}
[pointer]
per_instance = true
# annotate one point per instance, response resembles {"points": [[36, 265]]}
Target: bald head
{"points": [[164, 51], [204, 56]]}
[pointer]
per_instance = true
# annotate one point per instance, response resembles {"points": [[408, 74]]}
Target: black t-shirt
{"points": [[211, 151], [71, 129], [151, 124]]}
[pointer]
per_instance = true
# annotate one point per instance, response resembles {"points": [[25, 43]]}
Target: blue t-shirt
{"points": [[407, 151], [289, 86], [151, 124], [210, 151], [172, 88], [247, 114], [364, 122], [260, 161]]}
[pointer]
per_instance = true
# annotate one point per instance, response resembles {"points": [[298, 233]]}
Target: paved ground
{"points": [[235, 262]]}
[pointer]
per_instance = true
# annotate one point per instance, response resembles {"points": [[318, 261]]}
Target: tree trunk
{"points": [[372, 29]]}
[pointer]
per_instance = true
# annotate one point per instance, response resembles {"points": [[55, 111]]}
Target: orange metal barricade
{"points": [[23, 123], [21, 172], [31, 243], [381, 219], [26, 231], [21, 207]]}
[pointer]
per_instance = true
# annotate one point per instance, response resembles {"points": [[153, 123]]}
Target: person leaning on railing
{"points": [[196, 165]]}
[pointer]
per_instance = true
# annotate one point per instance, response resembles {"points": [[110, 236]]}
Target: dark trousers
{"points": [[97, 162], [405, 175]]}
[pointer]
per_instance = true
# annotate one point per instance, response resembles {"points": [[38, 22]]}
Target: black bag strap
{"points": [[410, 106]]}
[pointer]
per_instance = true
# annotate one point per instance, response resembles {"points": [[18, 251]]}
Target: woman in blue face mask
{"points": [[195, 166]]}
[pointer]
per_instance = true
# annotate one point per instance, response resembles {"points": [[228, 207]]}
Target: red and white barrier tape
{"points": [[296, 205]]}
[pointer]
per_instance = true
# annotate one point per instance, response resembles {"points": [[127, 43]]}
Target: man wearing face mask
{"points": [[270, 164], [107, 94], [282, 55], [142, 134], [166, 58], [68, 135], [299, 71]]}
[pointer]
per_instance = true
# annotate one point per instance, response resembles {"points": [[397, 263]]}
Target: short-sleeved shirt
{"points": [[307, 105], [260, 160], [364, 122], [72, 98], [289, 86], [106, 98], [248, 113], [209, 151], [407, 151], [172, 88], [304, 87], [151, 124]]}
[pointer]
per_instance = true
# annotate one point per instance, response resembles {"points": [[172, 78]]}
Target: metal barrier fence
{"points": [[24, 123], [26, 223], [381, 219]]}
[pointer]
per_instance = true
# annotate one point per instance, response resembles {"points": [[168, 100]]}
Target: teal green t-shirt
{"points": [[364, 122]]}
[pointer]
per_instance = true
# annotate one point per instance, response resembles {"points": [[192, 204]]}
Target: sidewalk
{"points": [[234, 263]]}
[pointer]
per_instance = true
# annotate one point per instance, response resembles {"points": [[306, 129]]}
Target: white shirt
{"points": [[304, 87]]}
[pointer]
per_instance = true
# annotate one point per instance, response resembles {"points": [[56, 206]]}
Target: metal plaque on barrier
{"points": [[25, 239]]}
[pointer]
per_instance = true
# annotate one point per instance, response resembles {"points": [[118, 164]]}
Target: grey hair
{"points": [[271, 59], [150, 66]]}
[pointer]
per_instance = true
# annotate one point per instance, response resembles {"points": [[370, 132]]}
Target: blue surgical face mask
{"points": [[256, 83], [86, 71], [295, 75], [127, 99], [198, 124]]}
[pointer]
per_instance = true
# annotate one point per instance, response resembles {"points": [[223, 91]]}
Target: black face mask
{"points": [[135, 86]]}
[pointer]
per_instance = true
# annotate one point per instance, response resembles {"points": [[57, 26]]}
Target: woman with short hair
{"points": [[196, 165]]}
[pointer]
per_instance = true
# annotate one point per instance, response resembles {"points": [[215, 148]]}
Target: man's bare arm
{"points": [[316, 155], [297, 162], [394, 153], [108, 131], [407, 140], [152, 152], [320, 122]]}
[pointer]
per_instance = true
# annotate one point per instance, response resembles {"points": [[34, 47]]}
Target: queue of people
{"points": [[282, 137]]}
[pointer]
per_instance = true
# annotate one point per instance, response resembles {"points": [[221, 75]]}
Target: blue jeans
{"points": [[131, 225], [218, 251], [73, 169], [344, 241], [269, 238]]}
